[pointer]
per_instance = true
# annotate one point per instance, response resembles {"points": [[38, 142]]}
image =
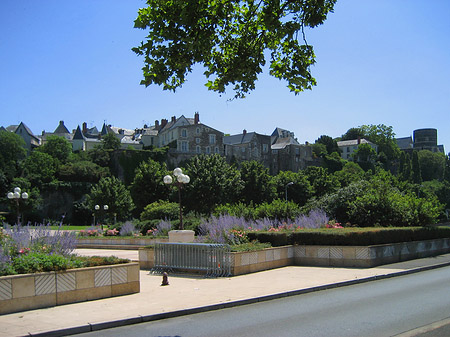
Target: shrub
{"points": [[278, 209], [160, 210], [127, 229], [239, 210], [40, 262]]}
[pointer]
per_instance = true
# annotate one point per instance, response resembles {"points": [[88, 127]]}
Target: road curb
{"points": [[178, 313]]}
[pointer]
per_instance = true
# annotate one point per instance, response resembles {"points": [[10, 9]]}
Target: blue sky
{"points": [[378, 62]]}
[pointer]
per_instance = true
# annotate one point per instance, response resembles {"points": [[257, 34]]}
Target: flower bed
{"points": [[41, 290]]}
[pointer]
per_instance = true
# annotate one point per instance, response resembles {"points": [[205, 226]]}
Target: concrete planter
{"points": [[332, 256], [368, 256], [41, 290]]}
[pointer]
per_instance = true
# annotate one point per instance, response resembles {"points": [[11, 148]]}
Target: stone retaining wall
{"points": [[41, 290]]}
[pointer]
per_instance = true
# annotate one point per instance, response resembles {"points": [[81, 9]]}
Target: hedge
{"points": [[351, 236]]}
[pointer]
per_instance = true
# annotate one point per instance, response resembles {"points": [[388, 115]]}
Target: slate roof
{"points": [[242, 138], [78, 134], [61, 128], [281, 143]]}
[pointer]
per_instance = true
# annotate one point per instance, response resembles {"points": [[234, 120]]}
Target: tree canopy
{"points": [[230, 39]]}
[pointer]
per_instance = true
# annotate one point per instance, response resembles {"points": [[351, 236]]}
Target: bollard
{"points": [[165, 280]]}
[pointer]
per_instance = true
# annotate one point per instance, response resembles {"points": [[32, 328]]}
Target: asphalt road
{"points": [[402, 305]]}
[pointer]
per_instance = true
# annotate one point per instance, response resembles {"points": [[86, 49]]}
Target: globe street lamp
{"points": [[286, 188], [97, 208], [16, 195], [179, 181]]}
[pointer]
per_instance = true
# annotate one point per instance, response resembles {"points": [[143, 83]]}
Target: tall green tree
{"points": [[432, 165], [405, 169], [384, 137], [148, 186], [321, 181], [57, 147], [112, 192], [12, 152], [299, 191], [40, 168], [231, 40], [213, 182], [330, 144], [257, 182], [415, 167], [110, 142], [353, 133]]}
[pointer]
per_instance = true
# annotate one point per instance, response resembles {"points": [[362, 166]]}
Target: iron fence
{"points": [[212, 259]]}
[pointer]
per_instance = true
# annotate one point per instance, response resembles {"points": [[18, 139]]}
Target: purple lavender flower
{"points": [[127, 229]]}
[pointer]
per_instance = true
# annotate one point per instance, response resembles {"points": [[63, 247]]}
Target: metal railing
{"points": [[212, 259]]}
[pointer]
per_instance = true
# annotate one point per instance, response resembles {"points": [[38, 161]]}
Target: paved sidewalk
{"points": [[187, 295]]}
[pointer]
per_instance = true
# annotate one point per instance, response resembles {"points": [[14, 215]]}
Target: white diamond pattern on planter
{"points": [[45, 284], [277, 254], [290, 253], [5, 289], [252, 258], [245, 259], [362, 253], [269, 255], [300, 251], [336, 252], [102, 277], [119, 275], [323, 252], [65, 282]]}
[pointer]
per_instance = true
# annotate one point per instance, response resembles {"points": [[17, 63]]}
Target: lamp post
{"points": [[286, 188], [179, 181], [16, 195], [97, 208]]}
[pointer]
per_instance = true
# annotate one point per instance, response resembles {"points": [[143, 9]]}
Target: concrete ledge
{"points": [[128, 243], [41, 290]]}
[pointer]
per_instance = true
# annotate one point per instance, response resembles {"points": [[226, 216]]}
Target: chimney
{"points": [[359, 140], [174, 119], [196, 118], [156, 124], [84, 127], [163, 123], [244, 132]]}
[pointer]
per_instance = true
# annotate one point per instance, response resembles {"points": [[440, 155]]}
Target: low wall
{"points": [[333, 256], [368, 256], [41, 290], [128, 243], [269, 258]]}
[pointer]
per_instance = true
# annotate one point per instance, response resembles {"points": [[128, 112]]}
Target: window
{"points": [[184, 146], [265, 148], [197, 140], [183, 133], [212, 139], [216, 149], [208, 150], [197, 131], [198, 149]]}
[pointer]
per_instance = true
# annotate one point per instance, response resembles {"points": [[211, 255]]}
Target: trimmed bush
{"points": [[161, 210]]}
